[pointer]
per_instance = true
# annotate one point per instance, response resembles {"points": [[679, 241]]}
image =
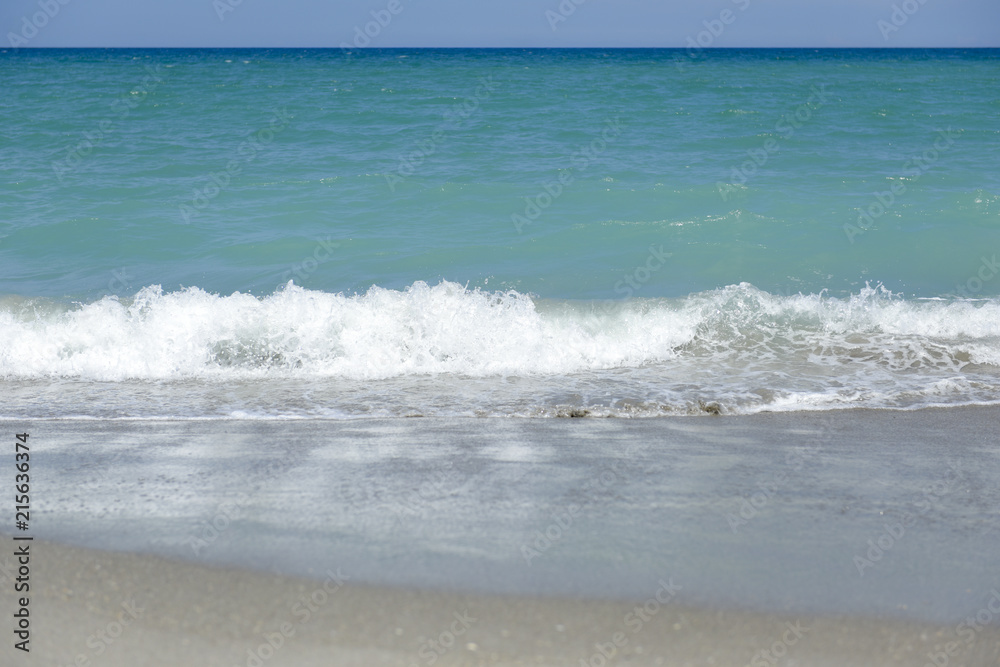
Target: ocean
{"points": [[267, 234]]}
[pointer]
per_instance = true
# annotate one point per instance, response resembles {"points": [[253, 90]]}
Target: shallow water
{"points": [[765, 512]]}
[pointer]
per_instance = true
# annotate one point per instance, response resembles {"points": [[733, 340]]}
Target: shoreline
{"points": [[776, 512], [97, 607], [877, 530], [567, 414]]}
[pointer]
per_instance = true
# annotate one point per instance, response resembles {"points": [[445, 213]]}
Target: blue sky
{"points": [[535, 23]]}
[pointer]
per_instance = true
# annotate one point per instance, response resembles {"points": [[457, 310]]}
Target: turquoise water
{"points": [[488, 232]]}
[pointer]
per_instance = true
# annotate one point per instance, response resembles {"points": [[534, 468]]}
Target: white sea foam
{"points": [[445, 349], [447, 328]]}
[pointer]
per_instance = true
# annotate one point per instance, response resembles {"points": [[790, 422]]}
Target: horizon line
{"points": [[519, 48]]}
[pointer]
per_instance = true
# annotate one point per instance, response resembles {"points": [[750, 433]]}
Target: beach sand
{"points": [[847, 538], [178, 613], [196, 615]]}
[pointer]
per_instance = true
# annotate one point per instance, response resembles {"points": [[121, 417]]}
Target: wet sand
{"points": [[183, 614], [879, 531]]}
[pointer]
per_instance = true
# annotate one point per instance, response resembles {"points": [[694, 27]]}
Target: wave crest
{"points": [[449, 329]]}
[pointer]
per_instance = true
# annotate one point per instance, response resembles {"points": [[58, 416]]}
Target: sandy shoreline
{"points": [[879, 531], [179, 613]]}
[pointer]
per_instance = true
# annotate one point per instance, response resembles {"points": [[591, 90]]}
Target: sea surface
{"points": [[326, 233]]}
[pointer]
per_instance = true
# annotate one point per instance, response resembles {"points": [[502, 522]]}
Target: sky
{"points": [[500, 23]]}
